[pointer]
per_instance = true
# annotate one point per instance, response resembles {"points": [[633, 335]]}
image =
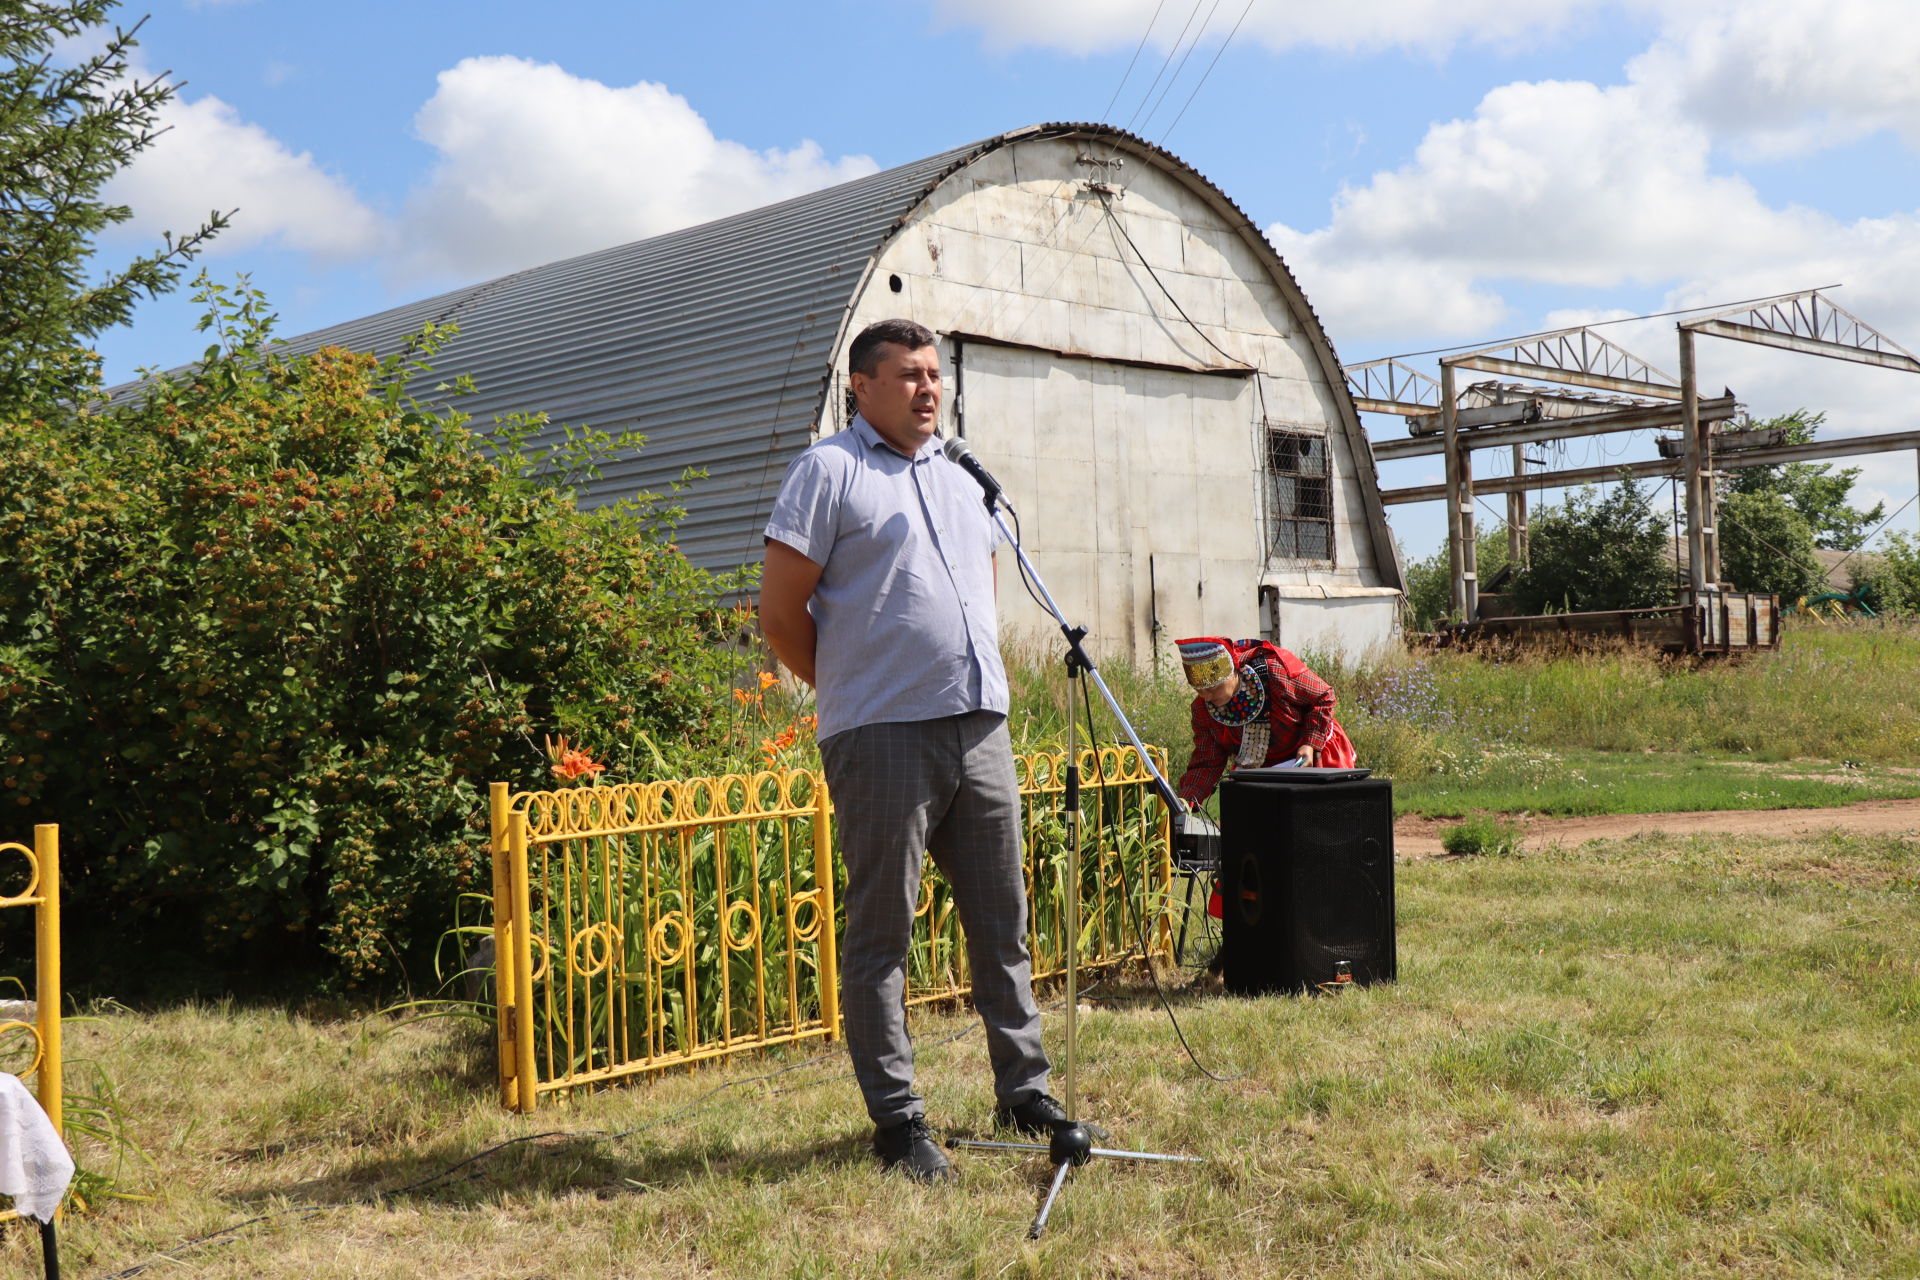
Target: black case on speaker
{"points": [[1306, 874]]}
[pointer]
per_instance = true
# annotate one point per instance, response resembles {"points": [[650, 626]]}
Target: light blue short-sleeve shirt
{"points": [[904, 610]]}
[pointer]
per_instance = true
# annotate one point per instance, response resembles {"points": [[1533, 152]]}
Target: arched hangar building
{"points": [[1122, 347]]}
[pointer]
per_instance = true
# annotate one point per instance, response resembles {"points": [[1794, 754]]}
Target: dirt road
{"points": [[1420, 837]]}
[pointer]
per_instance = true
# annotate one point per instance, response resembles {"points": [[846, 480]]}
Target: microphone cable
{"points": [[1139, 925], [1133, 910]]}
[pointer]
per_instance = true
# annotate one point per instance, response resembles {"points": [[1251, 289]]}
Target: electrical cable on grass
{"points": [[1140, 929]]}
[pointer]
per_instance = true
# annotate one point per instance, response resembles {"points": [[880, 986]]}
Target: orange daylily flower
{"points": [[570, 763]]}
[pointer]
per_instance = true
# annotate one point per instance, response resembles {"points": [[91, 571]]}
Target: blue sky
{"points": [[1436, 172]]}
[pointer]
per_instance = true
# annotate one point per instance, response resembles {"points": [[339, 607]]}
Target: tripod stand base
{"points": [[1046, 1206], [1071, 1147], [1105, 1152]]}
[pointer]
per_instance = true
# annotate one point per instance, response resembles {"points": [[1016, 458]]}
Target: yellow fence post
{"points": [[823, 883], [46, 856], [1163, 884], [527, 1095], [505, 935]]}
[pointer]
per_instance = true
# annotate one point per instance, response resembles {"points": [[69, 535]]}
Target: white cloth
{"points": [[34, 1165]]}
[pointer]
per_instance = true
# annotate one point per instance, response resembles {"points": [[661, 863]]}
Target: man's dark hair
{"points": [[864, 355]]}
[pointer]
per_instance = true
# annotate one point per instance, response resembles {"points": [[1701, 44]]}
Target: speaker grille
{"points": [[1347, 918]]}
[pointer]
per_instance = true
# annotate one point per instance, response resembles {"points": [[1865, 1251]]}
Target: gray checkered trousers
{"points": [[947, 788]]}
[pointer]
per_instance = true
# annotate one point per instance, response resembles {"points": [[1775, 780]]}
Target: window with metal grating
{"points": [[1299, 496]]}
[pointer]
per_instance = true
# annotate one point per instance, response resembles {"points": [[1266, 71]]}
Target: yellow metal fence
{"points": [[40, 891], [644, 926]]}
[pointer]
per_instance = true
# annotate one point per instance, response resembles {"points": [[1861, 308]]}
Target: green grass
{"points": [[1483, 834], [1530, 780], [1839, 691], [1653, 1057], [1833, 717]]}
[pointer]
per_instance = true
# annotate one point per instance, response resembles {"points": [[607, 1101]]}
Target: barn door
{"points": [[1109, 465]]}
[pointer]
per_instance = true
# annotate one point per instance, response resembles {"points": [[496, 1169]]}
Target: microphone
{"points": [[960, 453]]}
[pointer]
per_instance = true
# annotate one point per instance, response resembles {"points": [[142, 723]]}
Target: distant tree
{"points": [[1596, 551], [1429, 581], [1814, 489], [1766, 544], [64, 132], [1893, 580]]}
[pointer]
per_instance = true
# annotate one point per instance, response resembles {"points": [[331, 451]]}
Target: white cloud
{"points": [[1561, 183], [1574, 185], [537, 164], [1785, 76], [1386, 292], [1431, 27], [209, 158]]}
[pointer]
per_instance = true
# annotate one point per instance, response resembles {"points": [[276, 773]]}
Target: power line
{"points": [[1166, 62], [1181, 66], [1119, 226], [1107, 112], [1209, 71], [1828, 575]]}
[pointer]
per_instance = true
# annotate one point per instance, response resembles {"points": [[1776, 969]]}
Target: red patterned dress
{"points": [[1298, 710]]}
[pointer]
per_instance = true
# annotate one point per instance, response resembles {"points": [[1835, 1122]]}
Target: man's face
{"points": [[901, 397], [1220, 694]]}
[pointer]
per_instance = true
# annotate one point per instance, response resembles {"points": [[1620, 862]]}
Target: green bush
{"points": [[1893, 583], [1482, 834], [266, 634], [1596, 551], [1766, 545], [1814, 490]]}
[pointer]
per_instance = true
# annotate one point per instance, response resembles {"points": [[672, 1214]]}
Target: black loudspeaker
{"points": [[1306, 874]]}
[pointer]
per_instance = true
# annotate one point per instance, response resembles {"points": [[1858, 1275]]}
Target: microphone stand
{"points": [[1071, 1144]]}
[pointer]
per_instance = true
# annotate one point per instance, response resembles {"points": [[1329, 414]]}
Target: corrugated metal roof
{"points": [[713, 340]]}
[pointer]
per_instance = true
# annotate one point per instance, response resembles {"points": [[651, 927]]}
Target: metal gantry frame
{"points": [[1643, 397], [1807, 322], [1576, 357]]}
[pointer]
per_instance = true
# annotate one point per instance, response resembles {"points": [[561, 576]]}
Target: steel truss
{"points": [[1443, 419]]}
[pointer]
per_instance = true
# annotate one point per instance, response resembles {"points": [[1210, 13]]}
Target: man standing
{"points": [[879, 591]]}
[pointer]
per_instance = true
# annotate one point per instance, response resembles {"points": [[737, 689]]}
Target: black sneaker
{"points": [[910, 1148], [1035, 1117]]}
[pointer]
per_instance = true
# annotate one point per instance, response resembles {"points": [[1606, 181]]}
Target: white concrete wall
{"points": [[1354, 627], [1140, 488], [1133, 491]]}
